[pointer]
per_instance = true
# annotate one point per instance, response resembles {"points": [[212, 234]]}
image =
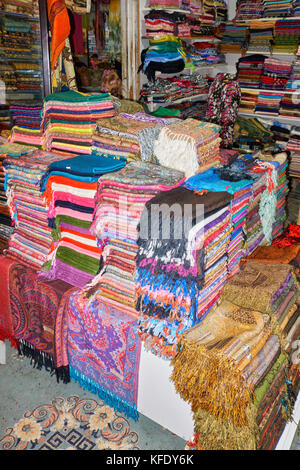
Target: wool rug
{"points": [[71, 423]]}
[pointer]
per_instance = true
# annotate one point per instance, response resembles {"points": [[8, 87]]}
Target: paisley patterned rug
{"points": [[71, 424]]}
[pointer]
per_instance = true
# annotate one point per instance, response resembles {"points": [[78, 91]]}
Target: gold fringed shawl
{"points": [[208, 369]]}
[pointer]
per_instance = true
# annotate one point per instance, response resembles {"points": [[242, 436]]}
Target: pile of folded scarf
{"points": [[160, 22], [278, 8], [294, 80], [27, 7], [249, 9], [293, 146], [216, 8], [128, 136], [296, 10], [260, 36], [26, 118], [69, 187], [281, 165], [250, 134], [268, 103], [69, 118], [165, 54], [248, 101], [234, 368], [195, 109], [190, 146], [286, 36], [261, 212], [168, 90], [281, 133], [290, 105], [276, 73], [250, 70], [234, 37], [181, 263], [31, 240], [240, 188], [121, 198]]}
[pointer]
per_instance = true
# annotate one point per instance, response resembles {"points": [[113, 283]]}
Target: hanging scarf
{"points": [[59, 26]]}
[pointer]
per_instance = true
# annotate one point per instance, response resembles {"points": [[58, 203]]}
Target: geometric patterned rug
{"points": [[71, 424]]}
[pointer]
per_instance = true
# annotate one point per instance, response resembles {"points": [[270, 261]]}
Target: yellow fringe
{"points": [[217, 435], [210, 381]]}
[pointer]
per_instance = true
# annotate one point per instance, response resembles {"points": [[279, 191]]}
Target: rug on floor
{"points": [[71, 424]]}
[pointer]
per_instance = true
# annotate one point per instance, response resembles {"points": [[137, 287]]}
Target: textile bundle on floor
{"points": [[70, 187], [240, 188], [238, 360], [190, 146], [26, 118], [121, 198], [181, 266], [31, 239], [128, 136], [69, 118]]}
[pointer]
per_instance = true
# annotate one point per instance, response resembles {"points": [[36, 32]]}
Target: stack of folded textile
{"points": [[69, 118], [248, 101], [294, 80], [160, 22], [268, 103], [296, 11], [216, 8], [69, 187], [260, 36], [290, 105], [250, 134], [127, 136], [190, 146], [276, 73], [261, 210], [190, 109], [281, 133], [286, 36], [250, 70], [249, 9], [26, 118], [278, 8], [121, 197], [234, 37], [8, 150], [182, 268], [293, 146], [27, 7], [240, 188], [234, 368], [31, 240], [165, 54], [168, 90], [280, 164], [112, 365]]}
